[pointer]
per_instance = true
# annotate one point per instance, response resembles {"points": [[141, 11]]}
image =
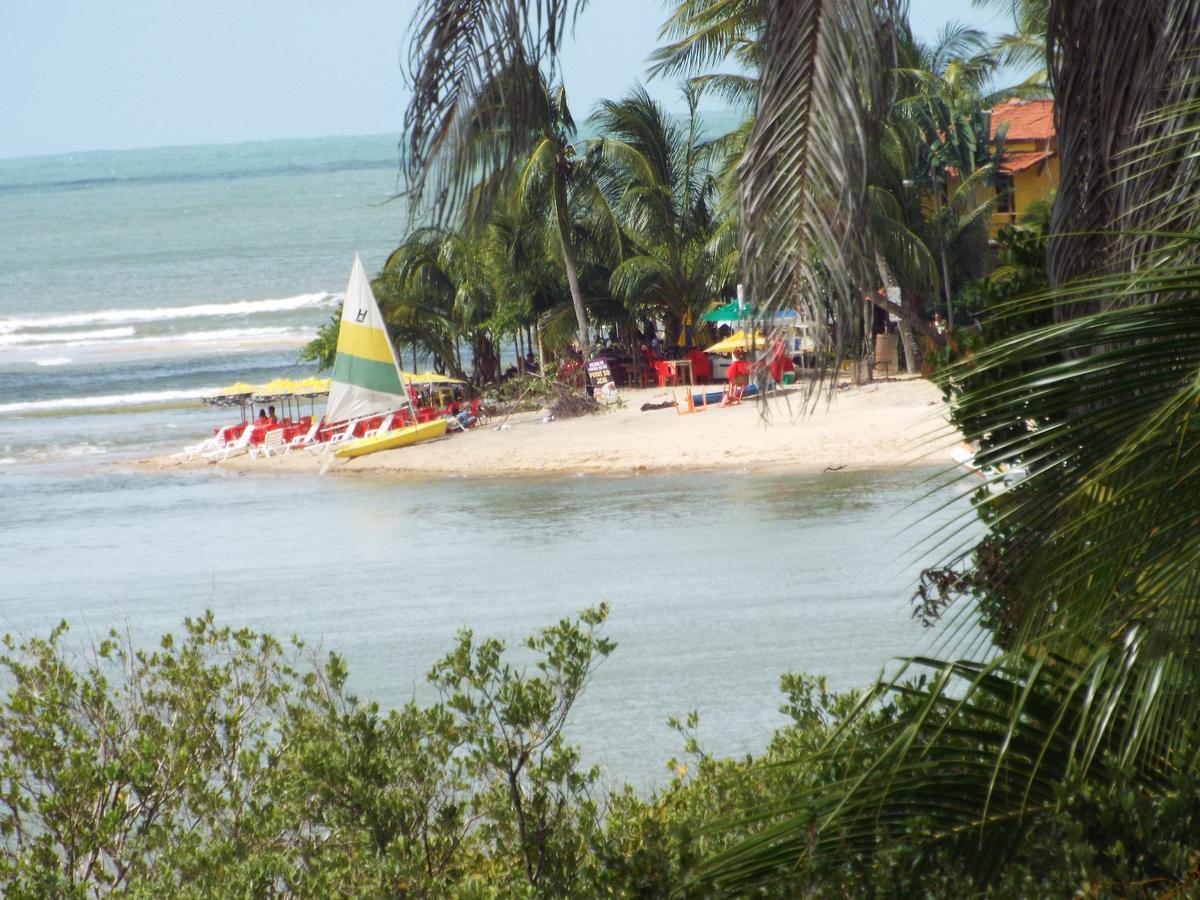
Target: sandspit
{"points": [[896, 423]]}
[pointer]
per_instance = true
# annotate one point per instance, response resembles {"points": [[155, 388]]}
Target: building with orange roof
{"points": [[1028, 167]]}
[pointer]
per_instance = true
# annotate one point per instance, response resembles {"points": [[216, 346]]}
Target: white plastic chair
{"points": [[273, 443], [206, 446], [303, 440], [232, 449], [346, 434], [384, 427]]}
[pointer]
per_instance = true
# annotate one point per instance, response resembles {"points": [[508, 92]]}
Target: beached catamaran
{"points": [[366, 375]]}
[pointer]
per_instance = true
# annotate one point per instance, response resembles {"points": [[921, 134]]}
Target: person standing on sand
{"points": [[738, 374]]}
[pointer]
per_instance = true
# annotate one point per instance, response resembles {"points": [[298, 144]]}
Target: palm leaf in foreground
{"points": [[971, 759], [803, 178], [1099, 691], [458, 55]]}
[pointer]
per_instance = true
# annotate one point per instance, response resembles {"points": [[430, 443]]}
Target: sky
{"points": [[85, 75]]}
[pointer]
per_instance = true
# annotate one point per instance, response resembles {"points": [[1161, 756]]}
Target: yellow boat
{"points": [[390, 440]]}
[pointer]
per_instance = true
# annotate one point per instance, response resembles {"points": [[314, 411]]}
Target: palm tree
{"points": [[1095, 553], [553, 159], [502, 119], [436, 294], [663, 190], [931, 160], [1093, 556], [705, 33], [943, 100], [1025, 46]]}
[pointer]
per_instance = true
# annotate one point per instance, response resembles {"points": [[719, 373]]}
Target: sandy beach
{"points": [[888, 424]]}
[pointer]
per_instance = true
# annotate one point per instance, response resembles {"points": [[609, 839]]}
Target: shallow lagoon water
{"points": [[131, 281], [718, 583]]}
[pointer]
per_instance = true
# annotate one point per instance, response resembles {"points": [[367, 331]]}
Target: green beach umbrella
{"points": [[730, 312]]}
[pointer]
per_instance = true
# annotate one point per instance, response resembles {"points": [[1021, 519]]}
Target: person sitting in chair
{"points": [[738, 374]]}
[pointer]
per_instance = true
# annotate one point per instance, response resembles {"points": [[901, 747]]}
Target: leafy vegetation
{"points": [[1054, 754], [536, 235], [1041, 769]]}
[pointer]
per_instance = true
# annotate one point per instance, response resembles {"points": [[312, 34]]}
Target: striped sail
{"points": [[366, 374]]}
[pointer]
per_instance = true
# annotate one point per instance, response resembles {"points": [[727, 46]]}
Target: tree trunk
{"points": [[564, 235], [912, 350], [868, 341], [946, 289], [918, 324]]}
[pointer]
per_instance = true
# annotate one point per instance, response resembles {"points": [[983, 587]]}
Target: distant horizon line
{"points": [[188, 145]]}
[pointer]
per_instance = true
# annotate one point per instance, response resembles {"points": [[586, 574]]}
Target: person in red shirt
{"points": [[780, 362], [738, 374], [738, 367]]}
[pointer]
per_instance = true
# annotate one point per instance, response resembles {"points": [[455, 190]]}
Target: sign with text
{"points": [[598, 372]]}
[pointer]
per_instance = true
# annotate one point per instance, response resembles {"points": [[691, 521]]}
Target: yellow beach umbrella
{"points": [[738, 341], [280, 387], [309, 386], [235, 390]]}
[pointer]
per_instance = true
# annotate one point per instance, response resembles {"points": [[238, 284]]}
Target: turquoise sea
{"points": [[132, 282]]}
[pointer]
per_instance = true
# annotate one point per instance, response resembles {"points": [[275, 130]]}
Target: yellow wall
{"points": [[1034, 183]]}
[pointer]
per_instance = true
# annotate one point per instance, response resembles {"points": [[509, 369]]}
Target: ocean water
{"points": [[150, 276], [132, 283]]}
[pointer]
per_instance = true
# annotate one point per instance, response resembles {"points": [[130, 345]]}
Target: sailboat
{"points": [[366, 375]]}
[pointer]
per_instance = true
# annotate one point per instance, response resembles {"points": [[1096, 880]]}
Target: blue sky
{"points": [[82, 75]]}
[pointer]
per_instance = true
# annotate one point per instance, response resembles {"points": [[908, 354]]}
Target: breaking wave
{"points": [[12, 325], [108, 401]]}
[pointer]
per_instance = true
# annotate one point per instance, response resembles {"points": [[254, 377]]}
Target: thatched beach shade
{"points": [[280, 390], [233, 395], [275, 390], [739, 341], [311, 387]]}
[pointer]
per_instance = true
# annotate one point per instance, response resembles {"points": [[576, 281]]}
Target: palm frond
{"points": [[803, 178], [707, 32], [733, 89], [459, 54], [1100, 119]]}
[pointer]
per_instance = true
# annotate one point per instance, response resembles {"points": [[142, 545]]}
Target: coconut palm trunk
{"points": [[561, 210], [946, 290], [912, 352]]}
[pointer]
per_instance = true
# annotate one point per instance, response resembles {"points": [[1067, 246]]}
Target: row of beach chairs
{"points": [[278, 439]]}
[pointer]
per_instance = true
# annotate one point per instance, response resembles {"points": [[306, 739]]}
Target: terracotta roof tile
{"points": [[1012, 163], [1027, 120]]}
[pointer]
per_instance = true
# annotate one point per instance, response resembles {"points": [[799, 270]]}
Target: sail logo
{"points": [[361, 317]]}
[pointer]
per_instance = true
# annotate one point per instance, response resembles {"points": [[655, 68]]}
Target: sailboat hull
{"points": [[390, 440]]}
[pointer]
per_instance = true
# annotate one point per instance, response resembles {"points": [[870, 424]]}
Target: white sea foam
{"points": [[167, 313], [107, 401], [82, 450], [63, 337], [53, 361], [230, 335], [228, 338], [7, 461]]}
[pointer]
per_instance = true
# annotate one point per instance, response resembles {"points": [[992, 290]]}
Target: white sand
{"points": [[885, 425]]}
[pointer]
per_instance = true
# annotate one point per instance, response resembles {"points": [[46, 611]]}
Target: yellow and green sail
{"points": [[366, 374]]}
